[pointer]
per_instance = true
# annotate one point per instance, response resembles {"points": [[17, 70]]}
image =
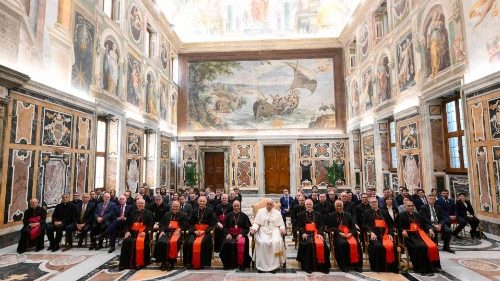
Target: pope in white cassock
{"points": [[268, 228]]}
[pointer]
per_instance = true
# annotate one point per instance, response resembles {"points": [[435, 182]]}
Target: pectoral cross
{"points": [[267, 222], [236, 226]]}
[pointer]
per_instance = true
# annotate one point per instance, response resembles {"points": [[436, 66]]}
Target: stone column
{"points": [[427, 154], [62, 44]]}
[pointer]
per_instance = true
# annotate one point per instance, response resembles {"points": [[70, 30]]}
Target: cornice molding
{"points": [[164, 24], [260, 45], [10, 78]]}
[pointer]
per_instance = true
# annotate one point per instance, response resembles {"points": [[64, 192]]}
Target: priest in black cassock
{"points": [[423, 251], [135, 247], [221, 211], [313, 253], [198, 247], [345, 239], [381, 247], [170, 239], [234, 251], [33, 227]]}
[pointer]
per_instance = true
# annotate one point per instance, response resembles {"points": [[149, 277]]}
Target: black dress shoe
{"points": [[449, 250], [98, 247], [20, 252], [55, 249], [67, 248], [38, 249], [112, 249], [163, 266], [50, 248], [92, 247]]}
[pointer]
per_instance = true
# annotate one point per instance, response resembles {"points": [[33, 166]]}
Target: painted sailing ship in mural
{"points": [[267, 94], [281, 105]]}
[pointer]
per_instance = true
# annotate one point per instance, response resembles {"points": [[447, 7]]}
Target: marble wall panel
{"points": [[322, 150], [438, 145], [81, 173], [356, 139], [494, 117], [496, 173], [23, 122], [83, 133], [57, 128], [477, 115], [243, 168], [54, 176], [111, 173], [482, 168], [19, 183], [320, 174], [384, 147], [305, 150], [306, 173], [244, 174]]}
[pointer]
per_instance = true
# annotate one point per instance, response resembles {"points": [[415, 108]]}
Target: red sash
{"points": [[320, 246], [240, 245], [37, 230], [353, 245], [139, 243], [432, 250], [172, 249], [386, 242], [197, 246]]}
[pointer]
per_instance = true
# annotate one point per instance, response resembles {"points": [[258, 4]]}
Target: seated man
{"points": [[121, 213], [234, 250], [63, 219], [423, 251], [221, 212], [104, 216], [447, 206], [198, 247], [433, 215], [33, 227], [135, 248], [381, 248], [347, 248], [84, 215], [269, 230], [465, 214], [313, 254], [170, 239]]}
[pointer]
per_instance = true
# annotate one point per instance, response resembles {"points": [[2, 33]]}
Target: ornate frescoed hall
{"points": [[311, 140]]}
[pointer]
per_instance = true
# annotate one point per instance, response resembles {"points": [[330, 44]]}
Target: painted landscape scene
{"points": [[270, 94]]}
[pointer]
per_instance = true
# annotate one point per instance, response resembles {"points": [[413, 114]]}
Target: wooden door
{"points": [[214, 170], [277, 169]]}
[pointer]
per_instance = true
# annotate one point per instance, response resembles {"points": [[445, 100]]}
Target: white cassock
{"points": [[269, 249]]}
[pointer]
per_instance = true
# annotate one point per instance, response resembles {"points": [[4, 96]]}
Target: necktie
{"points": [[103, 209], [286, 201], [433, 214], [84, 206], [423, 200], [123, 210]]}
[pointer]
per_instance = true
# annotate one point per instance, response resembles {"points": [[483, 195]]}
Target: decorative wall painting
{"points": [[133, 174], [363, 39], [152, 99], [82, 70], [405, 63], [164, 101], [409, 136], [384, 79], [164, 55], [436, 42], [136, 23], [57, 128], [367, 98], [322, 150], [477, 116], [111, 67], [134, 82], [133, 144], [320, 173]]}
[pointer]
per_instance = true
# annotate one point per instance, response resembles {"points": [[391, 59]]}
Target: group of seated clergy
{"points": [[195, 233]]}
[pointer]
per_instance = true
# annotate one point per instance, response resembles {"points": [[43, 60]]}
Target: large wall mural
{"points": [[111, 67], [134, 82], [406, 62], [261, 94], [436, 41], [482, 19], [83, 45]]}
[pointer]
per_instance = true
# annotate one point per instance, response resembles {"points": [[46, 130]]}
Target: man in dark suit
{"points": [[63, 219], [84, 215], [121, 213], [434, 216], [76, 199], [404, 192], [356, 196], [348, 206], [465, 214], [142, 191], [103, 218], [185, 207], [158, 208], [286, 202], [420, 201], [447, 205]]}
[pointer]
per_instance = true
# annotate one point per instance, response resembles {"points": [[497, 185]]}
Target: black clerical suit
{"points": [[230, 253], [310, 260], [342, 223], [200, 217], [137, 222], [221, 212], [65, 213], [164, 251]]}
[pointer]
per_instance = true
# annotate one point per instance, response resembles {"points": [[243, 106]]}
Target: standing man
{"points": [[269, 230], [63, 219], [286, 202], [356, 196], [33, 227]]}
